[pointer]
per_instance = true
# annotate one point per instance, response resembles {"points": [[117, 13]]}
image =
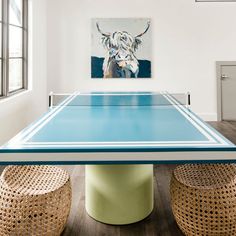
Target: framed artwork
{"points": [[121, 48]]}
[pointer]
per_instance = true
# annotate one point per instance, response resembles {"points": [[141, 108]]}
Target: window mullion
{"points": [[5, 47], [25, 44]]}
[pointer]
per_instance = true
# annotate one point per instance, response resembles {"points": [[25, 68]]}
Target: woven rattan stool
{"points": [[34, 200], [203, 199]]}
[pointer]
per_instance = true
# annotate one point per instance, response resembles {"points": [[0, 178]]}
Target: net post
{"points": [[188, 100], [50, 101]]}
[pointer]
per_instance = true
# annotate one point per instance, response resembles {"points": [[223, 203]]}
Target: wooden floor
{"points": [[159, 223]]}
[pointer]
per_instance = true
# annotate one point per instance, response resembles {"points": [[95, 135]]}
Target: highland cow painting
{"points": [[121, 48]]}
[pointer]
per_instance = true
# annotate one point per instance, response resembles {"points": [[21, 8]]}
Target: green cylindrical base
{"points": [[119, 194]]}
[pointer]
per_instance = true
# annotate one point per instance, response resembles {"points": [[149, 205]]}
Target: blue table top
{"points": [[100, 122]]}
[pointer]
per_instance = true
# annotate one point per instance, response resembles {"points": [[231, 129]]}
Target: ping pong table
{"points": [[118, 136]]}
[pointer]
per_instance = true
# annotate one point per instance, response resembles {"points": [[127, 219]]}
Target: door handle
{"points": [[224, 77]]}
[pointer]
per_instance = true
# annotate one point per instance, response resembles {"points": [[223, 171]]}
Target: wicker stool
{"points": [[34, 200], [203, 199]]}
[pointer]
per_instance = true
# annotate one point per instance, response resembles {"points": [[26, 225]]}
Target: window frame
{"points": [[5, 49]]}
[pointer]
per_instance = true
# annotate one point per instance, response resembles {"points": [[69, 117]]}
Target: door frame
{"points": [[219, 64]]}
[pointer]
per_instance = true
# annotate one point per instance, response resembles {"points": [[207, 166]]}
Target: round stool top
{"points": [[205, 176], [33, 180]]}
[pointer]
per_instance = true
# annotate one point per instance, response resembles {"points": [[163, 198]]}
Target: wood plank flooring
{"points": [[160, 223]]}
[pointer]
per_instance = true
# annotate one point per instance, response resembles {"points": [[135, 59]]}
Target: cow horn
{"points": [[148, 26], [99, 30]]}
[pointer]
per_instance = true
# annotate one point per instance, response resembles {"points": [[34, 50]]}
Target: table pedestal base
{"points": [[119, 194]]}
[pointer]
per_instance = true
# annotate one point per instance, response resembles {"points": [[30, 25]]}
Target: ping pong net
{"points": [[120, 99]]}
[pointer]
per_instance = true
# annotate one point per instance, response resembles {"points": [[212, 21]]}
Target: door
{"points": [[228, 92]]}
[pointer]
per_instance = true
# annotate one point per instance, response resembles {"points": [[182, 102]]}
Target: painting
{"points": [[121, 48]]}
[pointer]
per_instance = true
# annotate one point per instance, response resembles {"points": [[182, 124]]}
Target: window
{"points": [[13, 49]]}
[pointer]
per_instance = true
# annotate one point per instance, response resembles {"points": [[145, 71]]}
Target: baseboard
{"points": [[208, 116]]}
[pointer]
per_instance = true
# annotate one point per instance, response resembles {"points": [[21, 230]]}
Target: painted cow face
{"points": [[121, 47]]}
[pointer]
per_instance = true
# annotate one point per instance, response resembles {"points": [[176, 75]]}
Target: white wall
{"points": [[188, 38], [18, 111]]}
